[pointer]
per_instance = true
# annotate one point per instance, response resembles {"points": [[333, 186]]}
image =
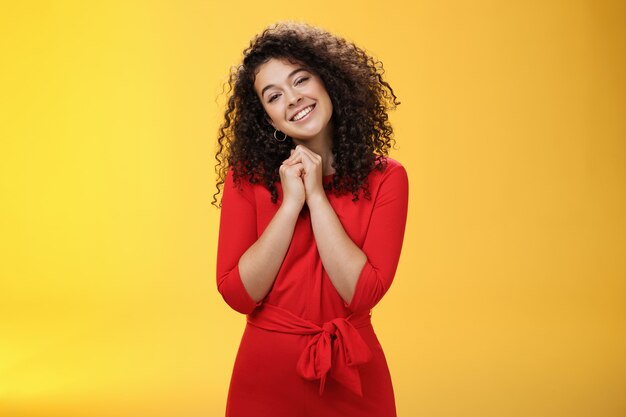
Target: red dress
{"points": [[305, 351]]}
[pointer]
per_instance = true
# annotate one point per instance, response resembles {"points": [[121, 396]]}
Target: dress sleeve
{"points": [[383, 240], [238, 231]]}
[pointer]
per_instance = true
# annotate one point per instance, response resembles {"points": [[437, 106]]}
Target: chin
{"points": [[304, 137], [307, 134]]}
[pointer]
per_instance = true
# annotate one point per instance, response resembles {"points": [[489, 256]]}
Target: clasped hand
{"points": [[301, 177]]}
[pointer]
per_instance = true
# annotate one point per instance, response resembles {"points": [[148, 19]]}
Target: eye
{"points": [[272, 98], [301, 80]]}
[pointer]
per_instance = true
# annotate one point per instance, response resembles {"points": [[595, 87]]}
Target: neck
{"points": [[322, 144]]}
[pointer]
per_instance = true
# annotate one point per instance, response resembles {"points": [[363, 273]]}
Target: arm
{"points": [[363, 275], [247, 265]]}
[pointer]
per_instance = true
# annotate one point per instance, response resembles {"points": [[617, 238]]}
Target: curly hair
{"points": [[362, 134]]}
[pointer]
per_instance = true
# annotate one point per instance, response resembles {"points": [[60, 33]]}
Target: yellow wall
{"points": [[509, 298]]}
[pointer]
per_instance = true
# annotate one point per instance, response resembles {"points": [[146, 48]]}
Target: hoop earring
{"points": [[280, 140]]}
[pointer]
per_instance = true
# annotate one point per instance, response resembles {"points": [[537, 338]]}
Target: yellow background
{"points": [[510, 295]]}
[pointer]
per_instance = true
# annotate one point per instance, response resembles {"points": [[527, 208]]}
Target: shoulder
{"points": [[238, 184], [391, 163], [393, 170], [238, 177], [392, 183]]}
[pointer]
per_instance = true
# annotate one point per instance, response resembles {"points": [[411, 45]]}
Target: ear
{"points": [[270, 122]]}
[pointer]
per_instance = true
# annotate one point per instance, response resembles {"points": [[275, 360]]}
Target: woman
{"points": [[312, 223]]}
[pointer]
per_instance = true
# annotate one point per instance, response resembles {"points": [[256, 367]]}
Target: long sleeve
{"points": [[383, 241], [238, 231]]}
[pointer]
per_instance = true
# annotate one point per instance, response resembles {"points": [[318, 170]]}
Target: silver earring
{"points": [[280, 140]]}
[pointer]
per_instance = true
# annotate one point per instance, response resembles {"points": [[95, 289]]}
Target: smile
{"points": [[303, 113]]}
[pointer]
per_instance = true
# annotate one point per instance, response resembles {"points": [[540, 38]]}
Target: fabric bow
{"points": [[335, 351]]}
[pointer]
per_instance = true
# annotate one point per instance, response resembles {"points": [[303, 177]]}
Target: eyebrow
{"points": [[291, 74]]}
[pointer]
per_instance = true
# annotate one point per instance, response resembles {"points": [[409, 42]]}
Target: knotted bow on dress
{"points": [[336, 348]]}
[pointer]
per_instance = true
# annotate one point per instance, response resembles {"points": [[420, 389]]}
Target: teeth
{"points": [[303, 113]]}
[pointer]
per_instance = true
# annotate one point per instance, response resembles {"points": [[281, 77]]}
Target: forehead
{"points": [[274, 72]]}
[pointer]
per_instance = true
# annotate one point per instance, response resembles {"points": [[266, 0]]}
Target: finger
{"points": [[307, 151], [309, 165], [312, 162], [296, 156], [307, 160], [292, 166], [290, 159], [297, 153], [293, 159], [296, 169], [310, 158]]}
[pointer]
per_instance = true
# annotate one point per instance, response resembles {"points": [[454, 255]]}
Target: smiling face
{"points": [[295, 99]]}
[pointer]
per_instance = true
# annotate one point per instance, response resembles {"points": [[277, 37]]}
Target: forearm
{"points": [[259, 265], [342, 259]]}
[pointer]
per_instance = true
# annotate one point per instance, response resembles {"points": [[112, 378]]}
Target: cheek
{"points": [[329, 103], [322, 92], [271, 113]]}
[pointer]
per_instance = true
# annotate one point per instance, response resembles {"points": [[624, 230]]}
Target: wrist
{"points": [[316, 199], [291, 207]]}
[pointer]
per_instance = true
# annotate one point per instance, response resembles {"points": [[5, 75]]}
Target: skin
{"points": [[301, 179]]}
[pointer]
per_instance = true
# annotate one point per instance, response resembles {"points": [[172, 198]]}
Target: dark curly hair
{"points": [[362, 134]]}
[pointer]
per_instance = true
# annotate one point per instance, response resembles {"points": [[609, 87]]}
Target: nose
{"points": [[294, 97]]}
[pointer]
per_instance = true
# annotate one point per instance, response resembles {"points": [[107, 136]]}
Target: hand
{"points": [[292, 185], [312, 164]]}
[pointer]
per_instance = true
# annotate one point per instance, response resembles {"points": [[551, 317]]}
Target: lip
{"points": [[299, 110]]}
